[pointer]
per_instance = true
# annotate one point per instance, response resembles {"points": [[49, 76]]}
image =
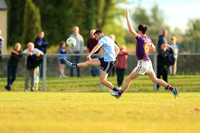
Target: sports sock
{"points": [[170, 87], [115, 89], [120, 92], [74, 65]]}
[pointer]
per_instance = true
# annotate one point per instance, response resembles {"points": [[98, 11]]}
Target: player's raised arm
{"points": [[93, 51], [116, 50], [130, 27]]}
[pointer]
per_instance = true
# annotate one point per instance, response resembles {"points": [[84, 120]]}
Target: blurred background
{"points": [[22, 20], [57, 18]]}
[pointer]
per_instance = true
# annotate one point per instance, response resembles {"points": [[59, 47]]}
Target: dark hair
{"points": [[60, 45], [98, 32], [142, 28]]}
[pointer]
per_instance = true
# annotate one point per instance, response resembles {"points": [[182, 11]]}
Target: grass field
{"points": [[143, 83], [99, 112], [75, 105]]}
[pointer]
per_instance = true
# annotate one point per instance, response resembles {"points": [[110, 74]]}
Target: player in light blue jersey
{"points": [[106, 63]]}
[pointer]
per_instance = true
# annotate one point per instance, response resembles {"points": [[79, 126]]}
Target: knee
{"points": [[155, 80], [102, 81]]}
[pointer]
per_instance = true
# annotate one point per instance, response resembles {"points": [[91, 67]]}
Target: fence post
{"points": [[155, 69], [44, 73]]}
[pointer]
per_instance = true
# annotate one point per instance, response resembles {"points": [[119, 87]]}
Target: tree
{"points": [[15, 21], [141, 17], [193, 33], [32, 22]]}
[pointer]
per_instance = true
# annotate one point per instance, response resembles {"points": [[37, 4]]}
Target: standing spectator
{"points": [[175, 48], [78, 49], [12, 65], [62, 50], [91, 43], [121, 65], [162, 40], [1, 43], [41, 43], [112, 72], [165, 59], [33, 60]]}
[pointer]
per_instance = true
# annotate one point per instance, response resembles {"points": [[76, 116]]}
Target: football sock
{"points": [[120, 92], [169, 87], [115, 89], [74, 65]]}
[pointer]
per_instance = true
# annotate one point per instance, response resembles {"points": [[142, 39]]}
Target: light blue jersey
{"points": [[108, 46]]}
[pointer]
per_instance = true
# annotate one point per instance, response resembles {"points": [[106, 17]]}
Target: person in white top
{"points": [[106, 63], [175, 49], [30, 51]]}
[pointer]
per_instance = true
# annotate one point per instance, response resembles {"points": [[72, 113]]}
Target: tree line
{"points": [[57, 18]]}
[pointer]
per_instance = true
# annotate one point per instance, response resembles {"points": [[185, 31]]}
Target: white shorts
{"points": [[143, 67]]}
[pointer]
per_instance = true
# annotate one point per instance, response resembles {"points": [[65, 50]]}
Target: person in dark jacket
{"points": [[165, 59], [12, 66], [33, 61], [162, 40], [41, 44]]}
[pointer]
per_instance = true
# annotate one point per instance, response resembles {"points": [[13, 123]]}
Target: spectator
{"points": [[112, 72], [78, 49], [175, 49], [165, 59], [41, 43], [121, 65], [12, 65], [1, 43], [91, 43], [62, 50], [34, 59], [162, 39]]}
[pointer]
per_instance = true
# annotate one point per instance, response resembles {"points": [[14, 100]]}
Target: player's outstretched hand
{"points": [[127, 13], [88, 58]]}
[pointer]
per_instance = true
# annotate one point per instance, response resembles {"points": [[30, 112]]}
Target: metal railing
{"points": [[187, 59]]}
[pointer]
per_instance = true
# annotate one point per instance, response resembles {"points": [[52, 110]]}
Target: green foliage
{"points": [[15, 21], [141, 17], [193, 33], [59, 17], [32, 23]]}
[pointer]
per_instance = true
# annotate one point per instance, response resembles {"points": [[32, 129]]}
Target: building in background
{"points": [[3, 24]]}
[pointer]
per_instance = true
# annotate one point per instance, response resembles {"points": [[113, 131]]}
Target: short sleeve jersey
{"points": [[35, 51], [143, 46], [108, 46]]}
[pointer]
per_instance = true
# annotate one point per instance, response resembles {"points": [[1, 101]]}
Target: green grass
{"points": [[143, 83], [99, 112]]}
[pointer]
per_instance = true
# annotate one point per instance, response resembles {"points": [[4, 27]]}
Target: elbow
{"points": [[152, 50]]}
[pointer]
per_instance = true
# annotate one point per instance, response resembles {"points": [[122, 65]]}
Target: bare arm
{"points": [[39, 53], [152, 49], [130, 27], [116, 50], [93, 51], [13, 51]]}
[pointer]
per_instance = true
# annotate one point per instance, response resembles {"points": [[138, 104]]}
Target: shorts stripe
{"points": [[107, 67], [140, 65]]}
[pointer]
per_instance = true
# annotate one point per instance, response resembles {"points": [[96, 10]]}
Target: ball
{"points": [[71, 42]]}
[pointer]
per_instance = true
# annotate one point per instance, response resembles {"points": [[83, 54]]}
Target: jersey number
{"points": [[146, 47]]}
